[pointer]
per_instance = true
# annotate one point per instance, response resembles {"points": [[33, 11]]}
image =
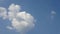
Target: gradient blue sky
{"points": [[41, 10]]}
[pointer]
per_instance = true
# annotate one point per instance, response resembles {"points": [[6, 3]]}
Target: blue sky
{"points": [[41, 11]]}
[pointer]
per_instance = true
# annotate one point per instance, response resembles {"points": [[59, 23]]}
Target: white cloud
{"points": [[3, 12], [23, 22], [25, 16], [13, 10], [20, 21], [53, 13]]}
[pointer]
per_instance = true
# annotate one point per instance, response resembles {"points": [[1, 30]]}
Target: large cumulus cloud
{"points": [[21, 21]]}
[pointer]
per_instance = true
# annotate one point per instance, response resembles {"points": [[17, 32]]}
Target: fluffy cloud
{"points": [[21, 21], [13, 10]]}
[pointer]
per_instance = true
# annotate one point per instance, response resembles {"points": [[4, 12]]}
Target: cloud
{"points": [[3, 12], [8, 27], [53, 13], [21, 21], [13, 10]]}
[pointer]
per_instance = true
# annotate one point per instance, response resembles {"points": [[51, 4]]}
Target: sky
{"points": [[43, 17]]}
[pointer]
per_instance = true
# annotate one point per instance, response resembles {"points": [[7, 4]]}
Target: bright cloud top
{"points": [[21, 21], [13, 10]]}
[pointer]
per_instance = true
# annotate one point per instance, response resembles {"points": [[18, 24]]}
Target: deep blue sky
{"points": [[41, 10]]}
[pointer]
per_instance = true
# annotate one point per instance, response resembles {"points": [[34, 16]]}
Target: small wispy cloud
{"points": [[3, 12], [8, 27], [21, 21], [53, 13]]}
